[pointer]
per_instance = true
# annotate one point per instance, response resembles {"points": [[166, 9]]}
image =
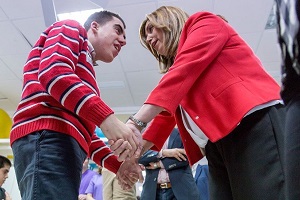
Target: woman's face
{"points": [[155, 38]]}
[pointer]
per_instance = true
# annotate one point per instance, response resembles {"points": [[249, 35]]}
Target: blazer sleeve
{"points": [[148, 157], [159, 130], [173, 163]]}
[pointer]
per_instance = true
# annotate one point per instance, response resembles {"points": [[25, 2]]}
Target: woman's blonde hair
{"points": [[171, 21]]}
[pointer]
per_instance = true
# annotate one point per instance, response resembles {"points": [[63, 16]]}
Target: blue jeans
{"points": [[165, 194], [48, 165]]}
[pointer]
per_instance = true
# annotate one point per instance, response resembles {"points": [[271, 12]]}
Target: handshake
{"points": [[126, 142]]}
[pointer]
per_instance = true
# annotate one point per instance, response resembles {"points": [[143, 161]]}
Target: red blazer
{"points": [[215, 77]]}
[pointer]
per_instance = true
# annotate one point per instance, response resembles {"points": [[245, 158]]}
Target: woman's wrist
{"points": [[139, 124]]}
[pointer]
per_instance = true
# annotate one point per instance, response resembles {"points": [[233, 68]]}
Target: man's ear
{"points": [[94, 26]]}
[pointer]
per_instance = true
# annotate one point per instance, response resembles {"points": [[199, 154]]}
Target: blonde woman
{"points": [[216, 87]]}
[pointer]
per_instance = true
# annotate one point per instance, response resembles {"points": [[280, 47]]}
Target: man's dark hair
{"points": [[3, 161], [101, 18]]}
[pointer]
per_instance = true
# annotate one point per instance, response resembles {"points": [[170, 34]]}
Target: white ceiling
{"points": [[126, 82]]}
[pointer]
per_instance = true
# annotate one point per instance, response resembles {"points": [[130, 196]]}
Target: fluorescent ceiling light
{"points": [[80, 16]]}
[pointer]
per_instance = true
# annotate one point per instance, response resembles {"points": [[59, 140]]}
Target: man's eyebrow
{"points": [[121, 29]]}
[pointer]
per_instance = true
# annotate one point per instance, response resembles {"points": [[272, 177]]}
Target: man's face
{"points": [[107, 39], [4, 173]]}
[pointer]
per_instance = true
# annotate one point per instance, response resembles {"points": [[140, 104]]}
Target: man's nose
{"points": [[122, 41]]}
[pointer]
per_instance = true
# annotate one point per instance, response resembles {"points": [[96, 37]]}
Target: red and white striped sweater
{"points": [[60, 92]]}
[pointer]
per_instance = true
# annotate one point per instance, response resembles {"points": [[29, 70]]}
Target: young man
{"points": [[53, 129], [5, 165]]}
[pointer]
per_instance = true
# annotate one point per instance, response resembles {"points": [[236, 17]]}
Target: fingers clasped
{"points": [[125, 149], [129, 173]]}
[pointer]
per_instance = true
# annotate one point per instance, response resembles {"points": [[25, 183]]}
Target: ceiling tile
{"points": [[203, 5], [245, 16], [106, 68], [142, 83], [12, 90], [3, 16], [15, 63], [31, 28], [268, 48], [6, 73], [12, 40], [136, 58], [133, 21], [17, 9]]}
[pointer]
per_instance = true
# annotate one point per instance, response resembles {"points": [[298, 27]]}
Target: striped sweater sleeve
{"points": [[67, 74], [101, 154]]}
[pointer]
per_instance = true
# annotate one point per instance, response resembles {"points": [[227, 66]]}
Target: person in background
{"points": [[112, 190], [86, 177], [53, 126], [5, 166], [168, 174], [201, 179], [288, 26], [215, 85], [95, 187]]}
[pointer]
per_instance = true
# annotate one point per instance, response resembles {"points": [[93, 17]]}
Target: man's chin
{"points": [[110, 59]]}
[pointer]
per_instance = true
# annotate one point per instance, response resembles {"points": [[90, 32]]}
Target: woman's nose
{"points": [[148, 38]]}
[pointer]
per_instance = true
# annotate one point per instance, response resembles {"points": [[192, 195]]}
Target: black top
{"points": [[2, 193]]}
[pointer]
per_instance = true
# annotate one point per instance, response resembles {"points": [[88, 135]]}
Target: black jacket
{"points": [[2, 193], [180, 174]]}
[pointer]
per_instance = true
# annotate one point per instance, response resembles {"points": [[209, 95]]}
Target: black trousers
{"points": [[247, 164], [292, 149]]}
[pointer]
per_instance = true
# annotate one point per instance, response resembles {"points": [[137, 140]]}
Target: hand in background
{"points": [[7, 196], [154, 165], [129, 173], [81, 197], [89, 197], [177, 153]]}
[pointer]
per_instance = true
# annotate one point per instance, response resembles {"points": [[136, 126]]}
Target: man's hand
{"points": [[175, 153], [138, 134], [118, 146], [128, 141], [129, 173]]}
